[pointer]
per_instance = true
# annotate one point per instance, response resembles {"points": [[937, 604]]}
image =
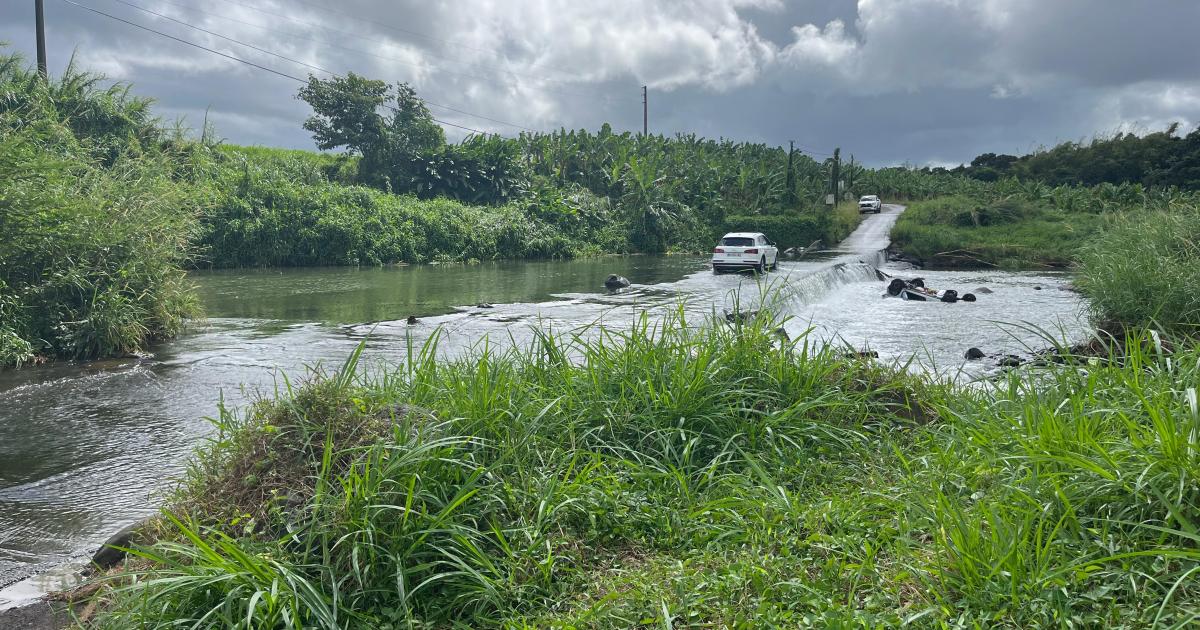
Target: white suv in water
{"points": [[745, 250]]}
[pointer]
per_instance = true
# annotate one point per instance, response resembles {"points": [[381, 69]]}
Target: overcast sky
{"points": [[890, 81]]}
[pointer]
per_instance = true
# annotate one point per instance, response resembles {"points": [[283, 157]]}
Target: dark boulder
{"points": [[484, 305], [983, 290], [109, 554], [613, 281], [412, 320], [974, 354]]}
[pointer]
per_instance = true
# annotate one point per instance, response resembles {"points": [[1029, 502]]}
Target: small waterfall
{"points": [[843, 270]]}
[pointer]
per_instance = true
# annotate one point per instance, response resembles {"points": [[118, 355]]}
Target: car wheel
{"points": [[762, 265]]}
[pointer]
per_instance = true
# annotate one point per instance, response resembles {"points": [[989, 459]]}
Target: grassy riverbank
{"points": [[674, 475], [963, 232], [103, 207], [96, 218]]}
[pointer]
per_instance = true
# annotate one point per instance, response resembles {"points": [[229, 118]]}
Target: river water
{"points": [[84, 448]]}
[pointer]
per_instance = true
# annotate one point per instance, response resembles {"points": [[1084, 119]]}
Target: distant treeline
{"points": [[1160, 159]]}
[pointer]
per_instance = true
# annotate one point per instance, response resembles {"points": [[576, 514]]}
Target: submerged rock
{"points": [[1010, 361], [412, 319], [974, 353], [484, 305], [613, 281], [983, 290], [108, 555], [738, 317]]}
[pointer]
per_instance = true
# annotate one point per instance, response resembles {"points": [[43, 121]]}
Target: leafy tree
{"points": [[347, 115]]}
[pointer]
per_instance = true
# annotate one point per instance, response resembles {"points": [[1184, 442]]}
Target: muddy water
{"points": [[84, 448]]}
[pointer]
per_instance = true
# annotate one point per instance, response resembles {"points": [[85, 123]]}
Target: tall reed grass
{"points": [[1145, 271], [95, 222]]}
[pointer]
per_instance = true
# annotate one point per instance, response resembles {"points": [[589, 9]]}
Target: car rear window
{"points": [[737, 241]]}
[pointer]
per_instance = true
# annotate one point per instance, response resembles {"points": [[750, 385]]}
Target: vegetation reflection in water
{"points": [[352, 295]]}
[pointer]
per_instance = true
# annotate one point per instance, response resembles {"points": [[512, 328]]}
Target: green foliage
{"points": [[786, 231], [1155, 159], [283, 212], [965, 232], [407, 153], [95, 219], [690, 476], [1144, 271]]}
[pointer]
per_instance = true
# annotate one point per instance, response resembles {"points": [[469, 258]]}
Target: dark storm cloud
{"points": [[891, 81]]}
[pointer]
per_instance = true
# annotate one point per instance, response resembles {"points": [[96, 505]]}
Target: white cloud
{"points": [[920, 79]]}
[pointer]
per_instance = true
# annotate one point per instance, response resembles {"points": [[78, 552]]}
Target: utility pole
{"points": [[850, 175], [645, 112], [40, 19], [791, 175], [837, 172]]}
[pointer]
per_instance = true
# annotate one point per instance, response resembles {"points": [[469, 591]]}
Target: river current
{"points": [[85, 448]]}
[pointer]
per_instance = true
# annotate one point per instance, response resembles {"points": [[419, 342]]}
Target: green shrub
{"points": [[796, 230]]}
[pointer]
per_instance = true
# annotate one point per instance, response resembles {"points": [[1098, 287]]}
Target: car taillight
{"points": [[751, 251], [718, 250]]}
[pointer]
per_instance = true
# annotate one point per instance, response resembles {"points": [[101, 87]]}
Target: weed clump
{"points": [[1145, 271]]}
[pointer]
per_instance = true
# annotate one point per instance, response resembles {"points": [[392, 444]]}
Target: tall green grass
{"points": [[679, 475], [95, 219], [1144, 271]]}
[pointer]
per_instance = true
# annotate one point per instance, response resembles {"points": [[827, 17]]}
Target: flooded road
{"points": [[84, 448]]}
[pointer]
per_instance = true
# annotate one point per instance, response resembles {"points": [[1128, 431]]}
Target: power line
{"points": [[305, 64], [321, 7], [312, 25], [238, 59]]}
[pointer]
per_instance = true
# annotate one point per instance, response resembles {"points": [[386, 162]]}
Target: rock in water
{"points": [[739, 317], [974, 353], [613, 281], [1010, 361], [983, 290], [107, 556], [484, 305], [412, 319]]}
